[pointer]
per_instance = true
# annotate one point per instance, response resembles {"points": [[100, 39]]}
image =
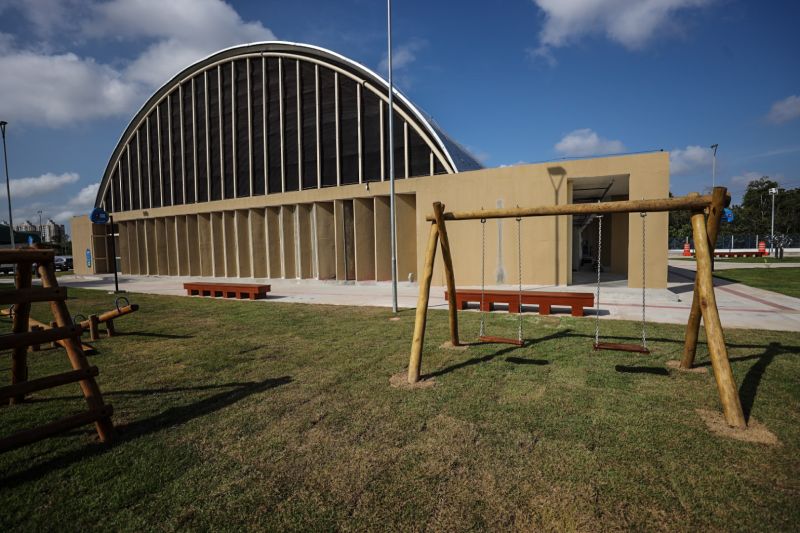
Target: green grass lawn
{"points": [[782, 280], [261, 415]]}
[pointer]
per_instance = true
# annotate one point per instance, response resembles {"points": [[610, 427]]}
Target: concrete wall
{"points": [[343, 232]]}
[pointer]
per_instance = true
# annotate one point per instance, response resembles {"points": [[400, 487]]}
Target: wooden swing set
{"points": [[704, 304]]}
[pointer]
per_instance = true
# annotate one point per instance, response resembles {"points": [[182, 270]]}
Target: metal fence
{"points": [[733, 242]]}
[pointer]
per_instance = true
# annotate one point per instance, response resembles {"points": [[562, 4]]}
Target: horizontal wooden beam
{"points": [[30, 338], [29, 436], [33, 294], [27, 256], [690, 202], [33, 385]]}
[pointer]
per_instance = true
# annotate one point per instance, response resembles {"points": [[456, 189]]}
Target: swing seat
{"points": [[621, 347], [488, 339]]}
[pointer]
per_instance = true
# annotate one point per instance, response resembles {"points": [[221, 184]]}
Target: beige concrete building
{"points": [[271, 160]]}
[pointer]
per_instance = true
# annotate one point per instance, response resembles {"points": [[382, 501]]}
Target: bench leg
{"points": [[252, 296], [544, 309], [577, 310]]}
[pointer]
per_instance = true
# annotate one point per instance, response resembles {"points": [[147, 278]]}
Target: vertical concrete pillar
{"points": [[258, 243], [193, 246], [338, 228], [326, 240], [141, 240], [206, 242], [406, 236], [231, 252], [122, 248], [218, 245], [162, 252], [345, 245], [273, 219], [133, 247], [172, 245], [618, 244], [182, 245], [151, 239], [243, 240], [305, 246], [364, 238], [288, 241], [383, 239]]}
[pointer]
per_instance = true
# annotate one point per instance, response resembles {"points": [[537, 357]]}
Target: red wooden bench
{"points": [[577, 301], [226, 290], [739, 254]]}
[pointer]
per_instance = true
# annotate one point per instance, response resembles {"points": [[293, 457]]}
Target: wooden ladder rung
{"points": [[56, 380], [29, 436], [33, 294], [14, 340]]}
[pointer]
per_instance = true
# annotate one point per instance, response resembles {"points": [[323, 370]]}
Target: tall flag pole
{"points": [[392, 207]]}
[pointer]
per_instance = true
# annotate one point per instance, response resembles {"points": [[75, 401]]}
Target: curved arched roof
{"points": [[452, 156]]}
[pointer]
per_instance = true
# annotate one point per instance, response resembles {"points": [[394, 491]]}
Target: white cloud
{"points": [[631, 23], [743, 179], [402, 56], [184, 30], [785, 110], [586, 142], [86, 196], [689, 159], [57, 89], [41, 86], [39, 185]]}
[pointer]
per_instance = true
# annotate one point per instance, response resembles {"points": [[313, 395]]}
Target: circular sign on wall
{"points": [[98, 216]]}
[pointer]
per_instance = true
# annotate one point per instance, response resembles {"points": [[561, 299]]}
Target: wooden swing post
{"points": [[415, 361], [718, 352], [444, 242], [719, 199]]}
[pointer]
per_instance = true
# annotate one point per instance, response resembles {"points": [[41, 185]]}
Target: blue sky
{"points": [[514, 81]]}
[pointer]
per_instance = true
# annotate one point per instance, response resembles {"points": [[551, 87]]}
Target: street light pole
{"points": [[714, 166], [3, 125], [772, 192], [392, 206]]}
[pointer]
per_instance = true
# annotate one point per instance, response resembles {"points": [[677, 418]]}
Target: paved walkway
{"points": [[740, 306], [728, 265]]}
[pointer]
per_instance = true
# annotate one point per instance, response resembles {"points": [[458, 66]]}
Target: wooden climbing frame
{"points": [[25, 334], [704, 303]]}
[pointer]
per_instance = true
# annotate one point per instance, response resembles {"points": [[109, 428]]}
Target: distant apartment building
{"points": [[52, 232], [49, 232]]}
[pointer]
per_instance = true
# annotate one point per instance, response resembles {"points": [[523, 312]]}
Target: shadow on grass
{"points": [[656, 371], [171, 417], [153, 335], [523, 361], [491, 356], [751, 381]]}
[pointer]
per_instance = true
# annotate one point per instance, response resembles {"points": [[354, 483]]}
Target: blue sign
{"points": [[88, 258], [98, 216], [30, 240], [727, 214]]}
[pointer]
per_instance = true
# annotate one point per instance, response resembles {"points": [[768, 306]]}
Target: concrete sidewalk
{"points": [[740, 306], [729, 265]]}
